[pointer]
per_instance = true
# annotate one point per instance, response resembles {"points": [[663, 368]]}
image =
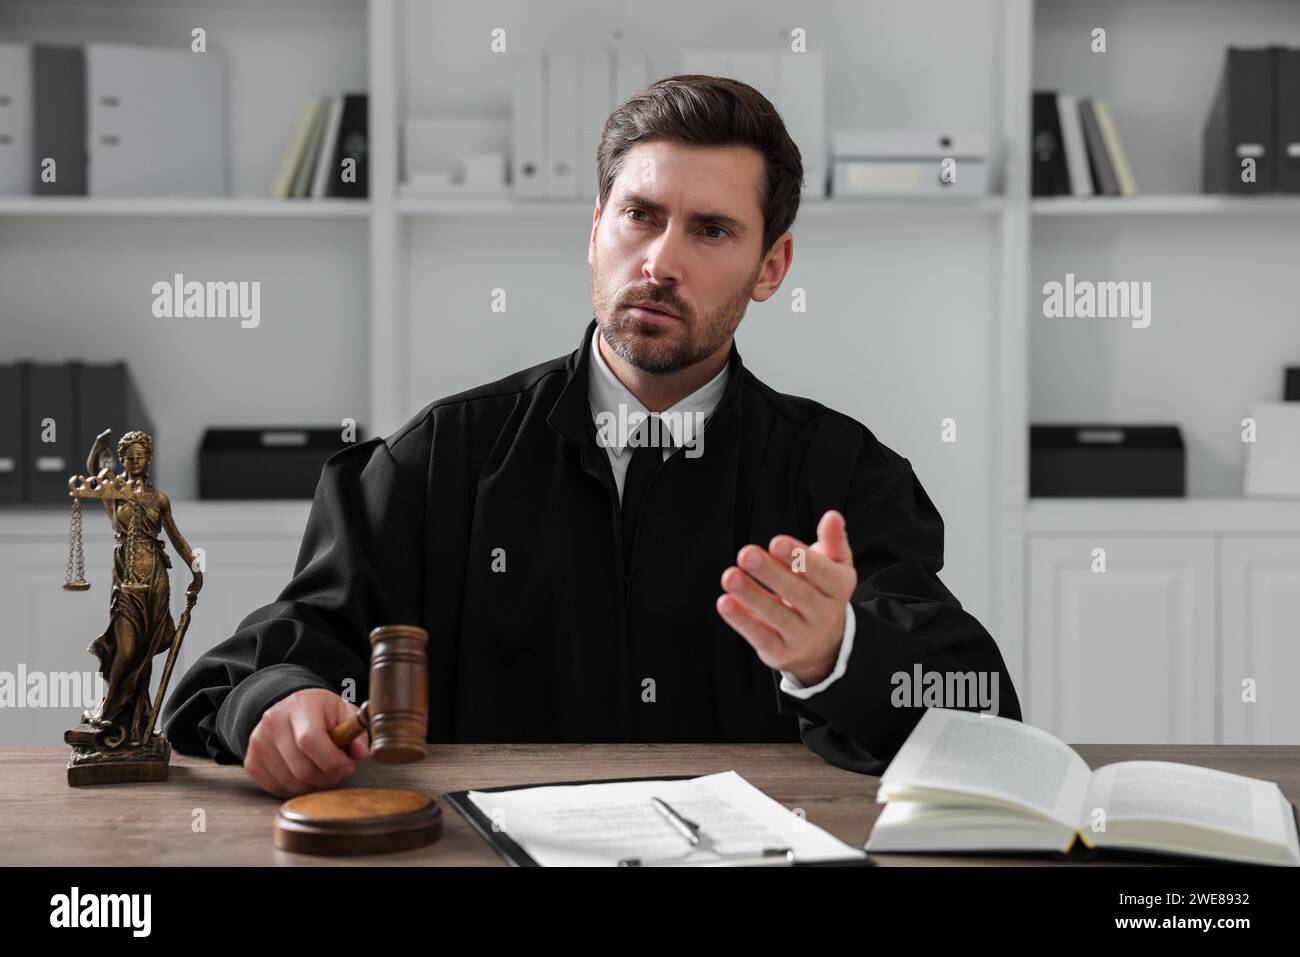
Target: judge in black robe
{"points": [[492, 519]]}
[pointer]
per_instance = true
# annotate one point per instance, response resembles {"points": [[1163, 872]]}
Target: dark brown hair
{"points": [[709, 111]]}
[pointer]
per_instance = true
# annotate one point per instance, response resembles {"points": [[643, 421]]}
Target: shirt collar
{"points": [[570, 415], [605, 393]]}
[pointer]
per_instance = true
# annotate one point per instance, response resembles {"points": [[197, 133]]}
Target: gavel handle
{"points": [[352, 727]]}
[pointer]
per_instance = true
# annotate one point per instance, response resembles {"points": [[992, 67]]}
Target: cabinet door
{"points": [[1260, 645], [1124, 655], [45, 633], [45, 630]]}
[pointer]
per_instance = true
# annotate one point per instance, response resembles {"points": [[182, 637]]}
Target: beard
{"points": [[665, 349]]}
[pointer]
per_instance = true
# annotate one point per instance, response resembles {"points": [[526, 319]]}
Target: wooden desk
{"points": [[42, 820]]}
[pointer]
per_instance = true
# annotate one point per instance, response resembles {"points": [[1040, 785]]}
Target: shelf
{"points": [[492, 206], [872, 207], [415, 206], [1147, 516], [1278, 204], [145, 206], [215, 4], [200, 520]]}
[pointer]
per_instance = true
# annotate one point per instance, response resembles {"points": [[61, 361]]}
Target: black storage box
{"points": [[1106, 461], [273, 463], [78, 400]]}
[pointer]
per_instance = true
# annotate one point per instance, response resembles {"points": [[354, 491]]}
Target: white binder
{"points": [[325, 159], [1076, 156], [707, 62], [1273, 459], [631, 74], [801, 101], [16, 147], [156, 121], [561, 124], [528, 125], [758, 69], [595, 103], [795, 83]]}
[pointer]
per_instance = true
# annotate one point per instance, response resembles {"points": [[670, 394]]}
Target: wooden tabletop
{"points": [[43, 821]]}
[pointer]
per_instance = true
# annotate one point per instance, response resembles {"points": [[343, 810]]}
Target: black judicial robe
{"points": [[556, 646]]}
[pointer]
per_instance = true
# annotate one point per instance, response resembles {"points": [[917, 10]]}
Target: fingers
{"points": [[788, 600], [766, 642], [311, 740], [265, 766], [813, 565], [306, 775], [776, 576], [833, 538], [290, 750], [359, 747], [764, 605]]}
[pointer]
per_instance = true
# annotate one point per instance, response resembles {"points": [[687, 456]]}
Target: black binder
{"points": [[1287, 141], [49, 394], [1050, 176], [516, 856], [106, 399], [82, 399], [1242, 123], [353, 143], [59, 98], [13, 461]]}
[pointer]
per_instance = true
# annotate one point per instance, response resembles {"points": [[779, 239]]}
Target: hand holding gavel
{"points": [[310, 739], [290, 751]]}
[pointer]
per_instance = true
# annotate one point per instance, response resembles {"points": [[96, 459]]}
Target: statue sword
{"points": [[183, 624]]}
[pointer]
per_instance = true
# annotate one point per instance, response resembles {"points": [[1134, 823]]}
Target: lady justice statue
{"points": [[117, 742]]}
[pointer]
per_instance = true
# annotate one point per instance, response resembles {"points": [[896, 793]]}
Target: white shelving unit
{"points": [[931, 306], [233, 206], [1170, 205], [1144, 618]]}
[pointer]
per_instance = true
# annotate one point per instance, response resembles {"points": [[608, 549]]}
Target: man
{"points": [[743, 566]]}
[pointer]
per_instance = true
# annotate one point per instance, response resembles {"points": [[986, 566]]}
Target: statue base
{"points": [[89, 764]]}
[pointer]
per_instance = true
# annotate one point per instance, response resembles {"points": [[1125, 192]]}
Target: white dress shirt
{"points": [[606, 393]]}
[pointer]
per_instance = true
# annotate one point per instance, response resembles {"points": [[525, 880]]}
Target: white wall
{"points": [[901, 317]]}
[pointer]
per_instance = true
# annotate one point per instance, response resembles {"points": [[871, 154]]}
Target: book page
{"points": [[599, 824], [974, 754], [1187, 794]]}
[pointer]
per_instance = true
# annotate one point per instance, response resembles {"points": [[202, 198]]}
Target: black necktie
{"points": [[646, 460]]}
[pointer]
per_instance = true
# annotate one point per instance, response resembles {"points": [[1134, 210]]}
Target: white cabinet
{"points": [[250, 549], [1261, 640], [1185, 638], [1126, 654]]}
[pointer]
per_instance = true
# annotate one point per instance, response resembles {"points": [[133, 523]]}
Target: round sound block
{"points": [[357, 821]]}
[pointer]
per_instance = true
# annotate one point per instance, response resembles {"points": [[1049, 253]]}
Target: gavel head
{"points": [[399, 693]]}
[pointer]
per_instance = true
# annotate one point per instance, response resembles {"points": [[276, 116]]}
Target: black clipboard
{"points": [[516, 856]]}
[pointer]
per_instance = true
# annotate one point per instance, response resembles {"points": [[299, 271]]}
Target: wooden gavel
{"points": [[396, 716]]}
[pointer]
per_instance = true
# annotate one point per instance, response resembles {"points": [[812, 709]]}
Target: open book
{"points": [[966, 782]]}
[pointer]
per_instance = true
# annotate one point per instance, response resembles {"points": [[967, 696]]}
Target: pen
{"points": [[687, 829], [691, 831]]}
